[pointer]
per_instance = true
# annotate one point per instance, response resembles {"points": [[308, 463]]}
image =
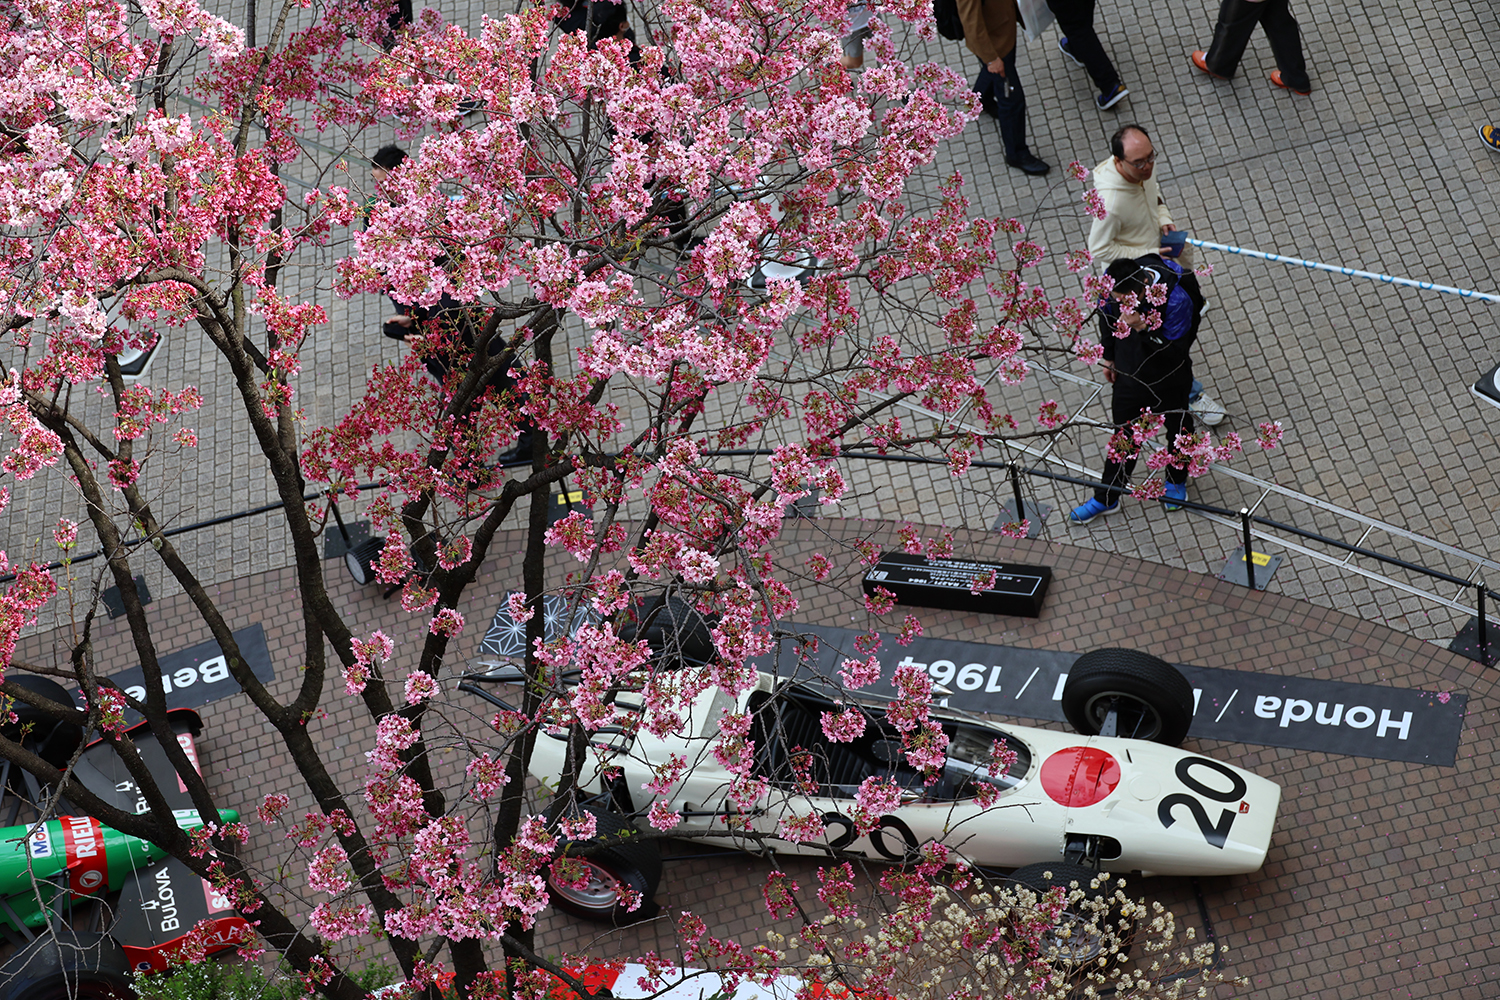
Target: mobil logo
{"points": [[40, 844]]}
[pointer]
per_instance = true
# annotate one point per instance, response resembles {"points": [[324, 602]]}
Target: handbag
{"points": [[1036, 17]]}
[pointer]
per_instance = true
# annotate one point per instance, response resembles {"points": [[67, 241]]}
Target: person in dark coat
{"points": [[990, 33], [450, 324], [1080, 43], [1150, 368], [1237, 21]]}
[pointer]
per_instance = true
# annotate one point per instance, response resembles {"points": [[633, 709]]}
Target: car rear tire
{"points": [[1152, 700], [679, 635], [68, 967], [1082, 931], [634, 865]]}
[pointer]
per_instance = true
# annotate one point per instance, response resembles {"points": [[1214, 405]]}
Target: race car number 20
{"points": [[906, 849], [1215, 834]]}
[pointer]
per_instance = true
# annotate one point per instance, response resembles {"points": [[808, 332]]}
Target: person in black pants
{"points": [[990, 33], [1237, 21], [1150, 368], [1080, 43], [451, 327]]}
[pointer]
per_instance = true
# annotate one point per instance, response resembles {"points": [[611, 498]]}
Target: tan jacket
{"points": [[1136, 214], [989, 27]]}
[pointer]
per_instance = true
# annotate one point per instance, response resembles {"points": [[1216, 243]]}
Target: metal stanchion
{"points": [[1249, 550], [1483, 632], [1015, 485]]}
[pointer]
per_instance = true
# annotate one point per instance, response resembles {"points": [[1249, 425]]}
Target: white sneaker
{"points": [[1207, 305], [1206, 409]]}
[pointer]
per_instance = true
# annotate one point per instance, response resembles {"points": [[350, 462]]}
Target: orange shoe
{"points": [[1276, 79], [1200, 63]]}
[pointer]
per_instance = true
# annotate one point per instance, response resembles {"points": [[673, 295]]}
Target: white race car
{"points": [[1121, 798]]}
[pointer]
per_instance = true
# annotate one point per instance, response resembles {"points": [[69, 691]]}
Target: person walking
{"points": [[1150, 368], [990, 33], [1080, 43], [853, 43], [1237, 21]]}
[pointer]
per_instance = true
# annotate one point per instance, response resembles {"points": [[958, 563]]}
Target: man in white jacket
{"points": [[1136, 219], [1137, 215]]}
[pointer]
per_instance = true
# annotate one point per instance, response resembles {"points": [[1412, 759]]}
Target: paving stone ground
{"points": [[1379, 168]]}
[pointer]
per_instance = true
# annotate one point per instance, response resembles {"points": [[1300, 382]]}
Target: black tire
{"points": [[1088, 932], [632, 864], [69, 967], [1152, 700], [48, 738]]}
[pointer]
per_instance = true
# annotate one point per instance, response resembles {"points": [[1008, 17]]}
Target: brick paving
{"points": [[1381, 878]]}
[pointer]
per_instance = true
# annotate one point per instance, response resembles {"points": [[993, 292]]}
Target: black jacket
{"points": [[1156, 362]]}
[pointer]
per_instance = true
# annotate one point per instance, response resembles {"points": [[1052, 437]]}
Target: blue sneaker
{"points": [[1062, 45], [1174, 491], [1090, 509], [1109, 100]]}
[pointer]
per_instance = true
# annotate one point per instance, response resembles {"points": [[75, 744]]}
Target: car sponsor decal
{"points": [[40, 844], [1358, 720], [162, 904], [189, 750], [83, 846], [631, 981], [199, 674]]}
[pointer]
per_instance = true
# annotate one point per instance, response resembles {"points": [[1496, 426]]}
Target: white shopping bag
{"points": [[1036, 16]]}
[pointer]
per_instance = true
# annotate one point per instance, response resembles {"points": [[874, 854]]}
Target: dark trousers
{"points": [[1075, 19], [1237, 21], [1009, 110], [1125, 407]]}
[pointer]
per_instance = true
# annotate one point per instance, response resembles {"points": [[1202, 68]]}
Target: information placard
{"points": [[961, 584]]}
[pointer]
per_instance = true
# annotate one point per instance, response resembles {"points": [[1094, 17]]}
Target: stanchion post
{"points": [[333, 508], [1249, 550], [1015, 485], [1483, 633]]}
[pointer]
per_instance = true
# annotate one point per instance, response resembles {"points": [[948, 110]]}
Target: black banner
{"points": [[199, 674], [1358, 720]]}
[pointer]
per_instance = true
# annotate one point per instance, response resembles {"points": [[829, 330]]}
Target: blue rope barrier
{"points": [[1313, 265]]}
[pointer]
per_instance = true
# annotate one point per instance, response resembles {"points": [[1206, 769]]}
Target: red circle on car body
{"points": [[1080, 776]]}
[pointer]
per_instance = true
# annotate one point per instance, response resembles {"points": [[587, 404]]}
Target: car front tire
{"points": [[629, 864], [1152, 700]]}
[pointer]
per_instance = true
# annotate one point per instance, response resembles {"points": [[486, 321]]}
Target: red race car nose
{"points": [[1080, 776]]}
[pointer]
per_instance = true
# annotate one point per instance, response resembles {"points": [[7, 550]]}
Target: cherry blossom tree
{"points": [[639, 250]]}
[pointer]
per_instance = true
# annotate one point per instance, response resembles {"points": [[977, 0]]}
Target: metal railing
{"points": [[1243, 521]]}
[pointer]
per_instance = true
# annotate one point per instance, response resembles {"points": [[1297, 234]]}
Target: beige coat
{"points": [[989, 27], [1136, 214]]}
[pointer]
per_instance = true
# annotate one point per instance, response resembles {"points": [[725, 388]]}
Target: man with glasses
{"points": [[1137, 216]]}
